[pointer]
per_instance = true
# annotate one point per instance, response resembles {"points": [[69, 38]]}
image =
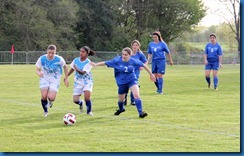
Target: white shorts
{"points": [[52, 86], [79, 89]]}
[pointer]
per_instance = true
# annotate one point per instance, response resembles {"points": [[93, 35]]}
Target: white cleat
{"points": [[45, 114], [90, 113]]}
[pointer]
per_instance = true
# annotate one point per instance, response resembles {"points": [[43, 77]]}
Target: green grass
{"points": [[187, 118]]}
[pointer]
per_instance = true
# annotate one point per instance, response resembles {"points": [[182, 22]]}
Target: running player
{"points": [[156, 51], [126, 78], [49, 69], [83, 81]]}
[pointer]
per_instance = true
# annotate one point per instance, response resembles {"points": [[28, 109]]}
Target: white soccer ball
{"points": [[69, 119]]}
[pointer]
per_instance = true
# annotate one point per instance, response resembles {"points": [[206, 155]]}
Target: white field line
{"points": [[126, 118]]}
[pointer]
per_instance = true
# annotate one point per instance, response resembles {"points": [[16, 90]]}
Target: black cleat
{"points": [[133, 103], [125, 102], [118, 112], [209, 85], [143, 114]]}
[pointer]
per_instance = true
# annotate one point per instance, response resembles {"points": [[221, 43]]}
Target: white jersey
{"points": [[86, 78], [52, 69]]}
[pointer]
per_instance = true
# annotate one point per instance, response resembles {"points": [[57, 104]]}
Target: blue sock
{"points": [[121, 105], [132, 99], [88, 106], [216, 80], [208, 80], [138, 105], [156, 83], [160, 85], [44, 105]]}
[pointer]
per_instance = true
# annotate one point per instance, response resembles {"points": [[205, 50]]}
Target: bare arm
{"points": [[220, 61], [205, 59], [149, 57], [39, 72], [152, 77], [66, 82], [97, 64], [79, 71], [170, 59]]}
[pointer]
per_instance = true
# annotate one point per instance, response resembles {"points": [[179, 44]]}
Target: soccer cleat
{"points": [[118, 112], [216, 88], [81, 108], [133, 103], [45, 114], [143, 114], [90, 113], [159, 92]]}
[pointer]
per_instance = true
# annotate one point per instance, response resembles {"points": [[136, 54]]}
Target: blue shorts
{"points": [[158, 66], [123, 89], [212, 65]]}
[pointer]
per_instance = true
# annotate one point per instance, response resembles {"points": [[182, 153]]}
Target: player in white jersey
{"points": [[49, 69], [83, 81]]}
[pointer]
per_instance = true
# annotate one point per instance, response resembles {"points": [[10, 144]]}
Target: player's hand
{"points": [[93, 64], [220, 65], [75, 68], [205, 62], [171, 63], [40, 74], [66, 82]]}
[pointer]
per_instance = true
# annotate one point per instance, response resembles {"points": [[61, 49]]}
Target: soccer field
{"points": [[188, 117]]}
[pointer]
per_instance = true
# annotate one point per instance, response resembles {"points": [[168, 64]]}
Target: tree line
{"points": [[99, 24]]}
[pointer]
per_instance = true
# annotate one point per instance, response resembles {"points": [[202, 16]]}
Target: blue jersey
{"points": [[139, 56], [124, 71], [52, 69], [158, 50], [213, 52], [82, 79]]}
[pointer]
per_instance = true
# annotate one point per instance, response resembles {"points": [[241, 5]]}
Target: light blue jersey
{"points": [[213, 52], [158, 50], [86, 78], [124, 71], [52, 69], [139, 56]]}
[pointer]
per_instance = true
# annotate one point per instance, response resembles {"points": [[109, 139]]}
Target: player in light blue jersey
{"points": [[156, 52], [49, 69], [126, 78], [212, 60], [136, 54], [83, 81]]}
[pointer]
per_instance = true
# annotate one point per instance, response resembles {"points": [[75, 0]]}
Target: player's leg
{"points": [[215, 75], [122, 90], [87, 95], [135, 90], [160, 72], [207, 74], [44, 88], [154, 71], [53, 90], [76, 100]]}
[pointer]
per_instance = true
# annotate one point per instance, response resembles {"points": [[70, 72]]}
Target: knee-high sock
{"points": [[156, 83], [88, 106], [216, 80], [121, 105], [138, 105], [78, 102], [44, 105], [208, 80], [160, 84], [132, 99]]}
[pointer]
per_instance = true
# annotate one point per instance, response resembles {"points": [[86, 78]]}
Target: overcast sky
{"points": [[212, 17]]}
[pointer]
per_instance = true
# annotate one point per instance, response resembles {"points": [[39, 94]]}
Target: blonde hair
{"points": [[128, 50], [136, 41]]}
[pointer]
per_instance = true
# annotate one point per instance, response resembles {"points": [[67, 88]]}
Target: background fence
{"points": [[30, 57]]}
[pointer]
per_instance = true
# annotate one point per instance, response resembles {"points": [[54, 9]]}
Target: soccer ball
{"points": [[69, 119]]}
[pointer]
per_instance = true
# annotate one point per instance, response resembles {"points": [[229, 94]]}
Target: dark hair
{"points": [[157, 33], [128, 50], [136, 41], [212, 34], [88, 51], [51, 47]]}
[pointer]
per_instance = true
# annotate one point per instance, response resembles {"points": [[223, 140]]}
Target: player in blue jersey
{"points": [[83, 81], [49, 69], [136, 54], [212, 60], [156, 52], [126, 78]]}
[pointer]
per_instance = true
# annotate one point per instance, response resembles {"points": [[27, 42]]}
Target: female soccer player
{"points": [[212, 60], [49, 69], [83, 81], [136, 54], [157, 50], [126, 78]]}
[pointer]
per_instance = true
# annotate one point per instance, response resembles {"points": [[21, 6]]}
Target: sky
{"points": [[212, 17]]}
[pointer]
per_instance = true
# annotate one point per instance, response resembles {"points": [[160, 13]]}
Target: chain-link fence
{"points": [[30, 57]]}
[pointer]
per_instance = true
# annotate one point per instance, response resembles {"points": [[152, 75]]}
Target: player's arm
{"points": [[66, 82], [149, 57], [152, 77], [170, 59], [39, 72], [97, 64], [220, 61], [82, 72]]}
